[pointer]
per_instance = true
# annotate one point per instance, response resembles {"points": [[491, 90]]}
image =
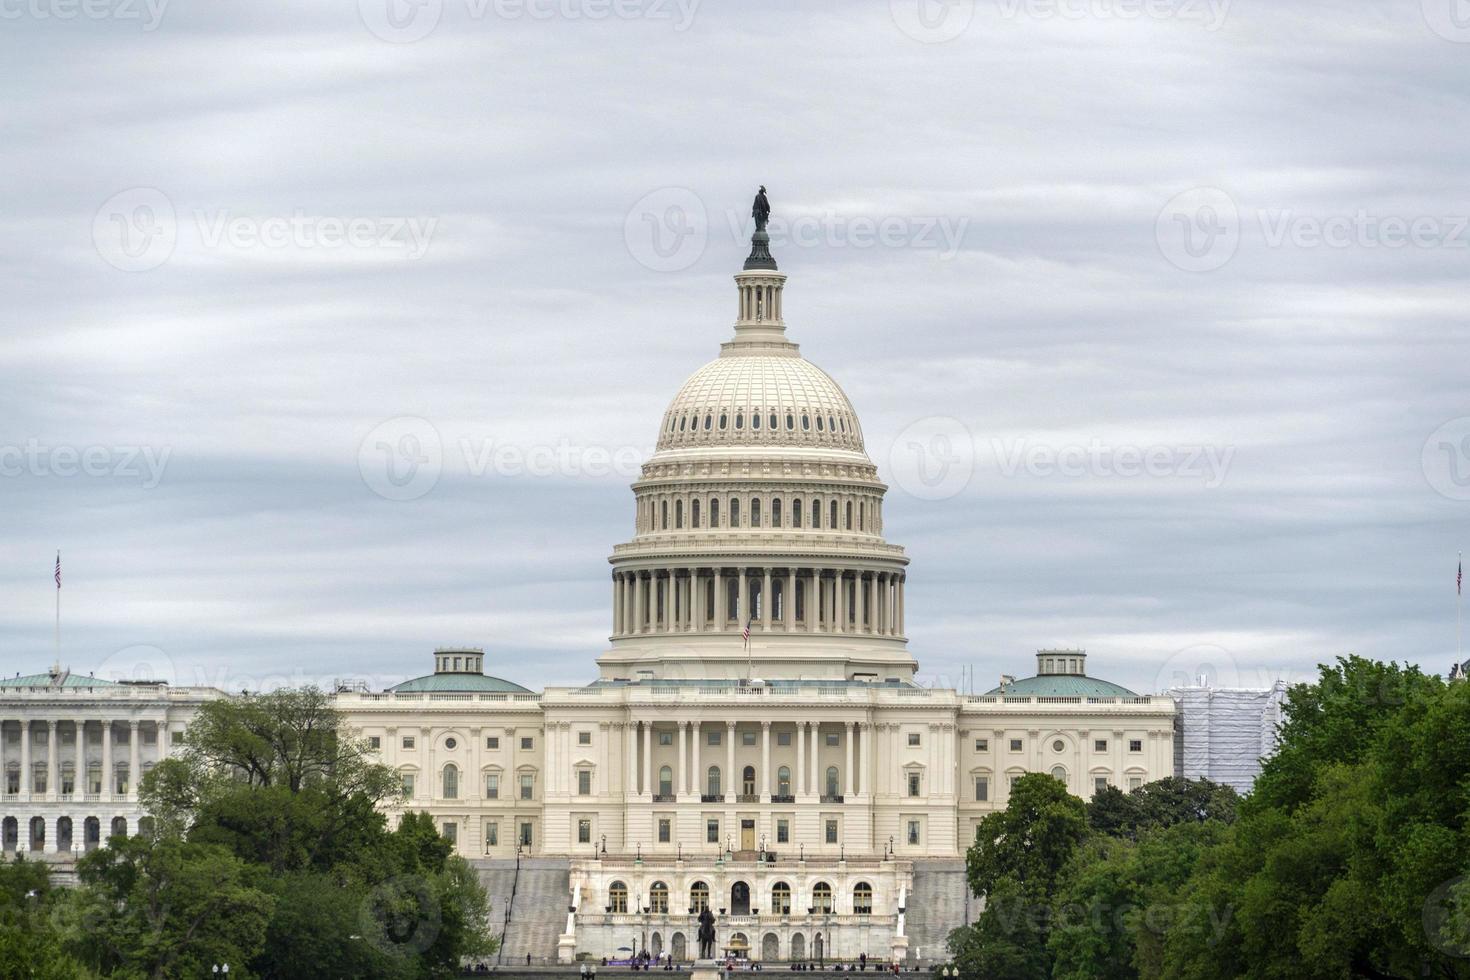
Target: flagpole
{"points": [[58, 607], [1459, 571]]}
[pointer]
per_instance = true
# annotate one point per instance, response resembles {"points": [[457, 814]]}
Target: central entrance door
{"points": [[747, 835]]}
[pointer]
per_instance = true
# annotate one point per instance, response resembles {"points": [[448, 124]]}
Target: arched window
{"points": [[822, 897], [819, 423], [783, 781], [816, 515], [755, 420], [664, 512], [698, 897], [755, 512], [781, 898], [679, 513], [712, 781], [1059, 773], [747, 780], [831, 780], [708, 420], [862, 513], [665, 781], [722, 420], [739, 420], [714, 512], [658, 897], [790, 422], [849, 515], [734, 511], [806, 423], [862, 898], [776, 512], [451, 782], [694, 513], [832, 517], [796, 512], [617, 898], [773, 420]]}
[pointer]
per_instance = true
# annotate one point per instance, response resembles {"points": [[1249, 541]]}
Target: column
{"points": [[161, 727], [788, 600], [53, 767], [79, 784], [669, 601], [683, 733], [106, 761], [647, 759], [742, 599], [730, 782], [698, 771], [133, 759], [630, 775], [847, 732], [696, 601], [617, 605], [900, 605], [860, 777], [638, 605], [766, 757], [800, 757], [766, 600], [720, 615], [816, 776], [25, 763], [840, 587], [860, 599]]}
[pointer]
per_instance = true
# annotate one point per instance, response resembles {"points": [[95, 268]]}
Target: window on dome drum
{"points": [[790, 421], [722, 420], [773, 420], [862, 899], [658, 898], [776, 512], [781, 898], [681, 425], [712, 781], [806, 423], [694, 513], [816, 515], [698, 897], [1099, 745], [755, 512], [796, 512], [451, 782], [739, 420], [708, 420], [819, 423], [734, 511], [678, 514], [755, 420], [821, 891], [664, 511], [1135, 745], [584, 831], [832, 518], [714, 512], [617, 898], [982, 788], [848, 525]]}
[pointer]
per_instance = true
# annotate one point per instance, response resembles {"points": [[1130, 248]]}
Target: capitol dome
{"points": [[761, 399]]}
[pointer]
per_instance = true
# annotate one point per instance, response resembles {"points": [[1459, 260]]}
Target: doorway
{"points": [[740, 898], [747, 835]]}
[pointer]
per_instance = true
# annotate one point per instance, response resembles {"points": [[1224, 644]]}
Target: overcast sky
{"points": [[315, 321]]}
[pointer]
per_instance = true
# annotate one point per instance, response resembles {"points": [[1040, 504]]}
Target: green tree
{"points": [[33, 916]]}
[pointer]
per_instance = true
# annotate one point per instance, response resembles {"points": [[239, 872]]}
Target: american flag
{"points": [[746, 632], [58, 569]]}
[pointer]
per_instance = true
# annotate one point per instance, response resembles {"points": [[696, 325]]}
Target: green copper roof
{"points": [[1064, 686], [48, 680], [447, 682]]}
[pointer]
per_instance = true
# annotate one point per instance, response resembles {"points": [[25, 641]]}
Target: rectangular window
{"points": [[913, 784], [1015, 745], [527, 743], [492, 786], [492, 834], [528, 786], [451, 832], [1135, 745], [584, 782], [1099, 745], [831, 831], [665, 738], [176, 738], [584, 738], [747, 738], [1099, 783], [664, 830], [982, 745], [783, 738], [914, 740], [407, 784], [982, 788], [492, 742], [408, 741], [711, 831], [832, 738], [374, 742], [584, 831], [1134, 782], [525, 833], [914, 833], [783, 831], [1011, 781]]}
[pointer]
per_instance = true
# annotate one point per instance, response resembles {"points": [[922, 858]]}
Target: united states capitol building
{"points": [[797, 782]]}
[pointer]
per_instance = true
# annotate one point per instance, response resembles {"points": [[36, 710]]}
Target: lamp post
{"points": [[220, 969]]}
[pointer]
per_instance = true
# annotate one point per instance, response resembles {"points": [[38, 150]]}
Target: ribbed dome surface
{"points": [[755, 399]]}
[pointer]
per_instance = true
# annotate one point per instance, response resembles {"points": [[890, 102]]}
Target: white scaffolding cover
{"points": [[1221, 734]]}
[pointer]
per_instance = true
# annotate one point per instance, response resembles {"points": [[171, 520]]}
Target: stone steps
{"points": [[536, 897]]}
